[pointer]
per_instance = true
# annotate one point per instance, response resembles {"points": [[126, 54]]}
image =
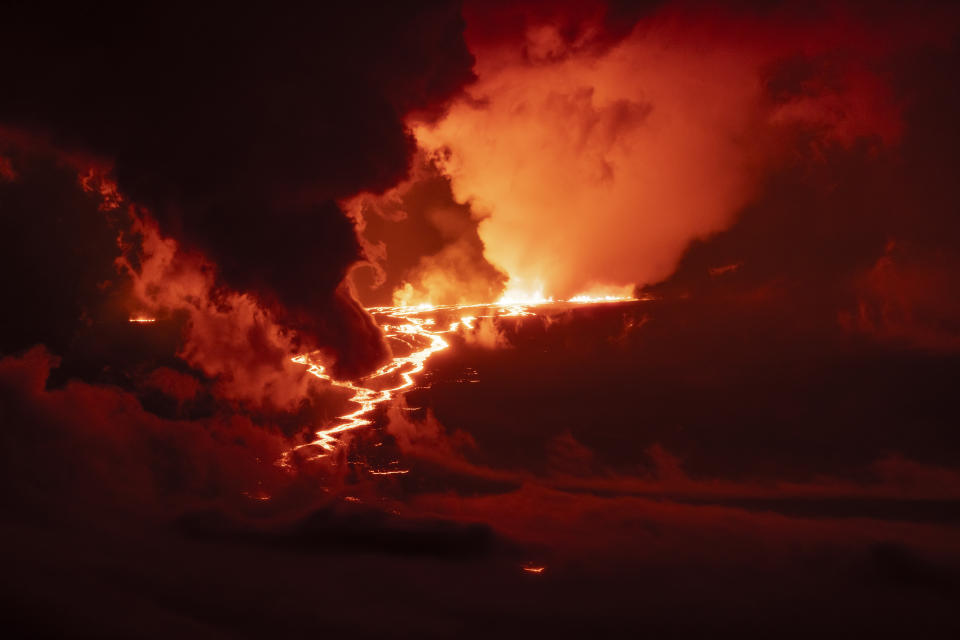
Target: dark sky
{"points": [[764, 443]]}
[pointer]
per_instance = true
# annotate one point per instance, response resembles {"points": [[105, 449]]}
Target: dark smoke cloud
{"points": [[68, 288], [865, 235], [58, 248], [241, 127]]}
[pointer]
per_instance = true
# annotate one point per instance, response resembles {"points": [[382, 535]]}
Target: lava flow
{"points": [[424, 338]]}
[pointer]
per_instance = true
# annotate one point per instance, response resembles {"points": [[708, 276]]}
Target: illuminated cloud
{"points": [[591, 163]]}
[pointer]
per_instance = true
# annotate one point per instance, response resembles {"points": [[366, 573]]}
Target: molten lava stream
{"points": [[398, 323], [423, 338]]}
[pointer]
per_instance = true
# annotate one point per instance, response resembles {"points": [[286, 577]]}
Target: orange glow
{"points": [[587, 167], [96, 180], [220, 324], [604, 294], [517, 294], [585, 299], [587, 164], [258, 495], [532, 568]]}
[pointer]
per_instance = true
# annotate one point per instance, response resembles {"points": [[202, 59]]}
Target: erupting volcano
{"points": [[605, 318]]}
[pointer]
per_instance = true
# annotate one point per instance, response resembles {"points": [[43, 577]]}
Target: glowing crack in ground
{"points": [[424, 338]]}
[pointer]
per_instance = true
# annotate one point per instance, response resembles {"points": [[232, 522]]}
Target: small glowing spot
{"points": [[727, 268], [534, 568], [256, 495], [142, 319], [388, 472]]}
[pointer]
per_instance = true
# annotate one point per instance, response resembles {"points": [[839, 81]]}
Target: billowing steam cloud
{"points": [[422, 245], [592, 163]]}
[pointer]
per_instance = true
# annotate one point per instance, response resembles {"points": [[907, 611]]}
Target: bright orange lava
{"points": [[142, 319], [424, 338]]}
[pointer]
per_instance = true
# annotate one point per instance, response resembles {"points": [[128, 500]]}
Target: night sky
{"points": [[755, 434]]}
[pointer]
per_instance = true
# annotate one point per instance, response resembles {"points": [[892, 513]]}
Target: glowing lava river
{"points": [[421, 337]]}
